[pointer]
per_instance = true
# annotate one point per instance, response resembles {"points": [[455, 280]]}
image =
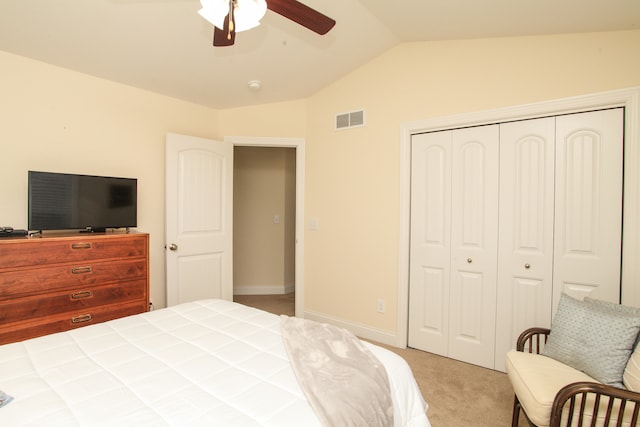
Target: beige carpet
{"points": [[458, 394]]}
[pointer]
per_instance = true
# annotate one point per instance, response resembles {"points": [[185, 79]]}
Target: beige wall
{"points": [[53, 118], [353, 176], [262, 248], [62, 121], [283, 119]]}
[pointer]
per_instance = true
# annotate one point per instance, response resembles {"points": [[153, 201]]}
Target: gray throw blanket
{"points": [[344, 382]]}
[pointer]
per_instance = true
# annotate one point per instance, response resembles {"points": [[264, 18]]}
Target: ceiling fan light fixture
{"points": [[214, 11], [247, 13]]}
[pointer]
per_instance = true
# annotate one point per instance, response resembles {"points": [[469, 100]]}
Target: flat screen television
{"points": [[61, 201]]}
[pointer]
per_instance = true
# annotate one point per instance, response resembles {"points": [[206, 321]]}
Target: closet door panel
{"points": [[474, 232], [525, 254], [430, 247], [589, 157], [470, 320]]}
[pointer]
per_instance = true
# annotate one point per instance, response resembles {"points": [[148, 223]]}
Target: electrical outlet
{"points": [[380, 305]]}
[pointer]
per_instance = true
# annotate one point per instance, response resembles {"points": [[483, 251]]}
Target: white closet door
{"points": [[454, 206], [589, 156], [474, 244], [430, 251], [503, 219], [525, 253]]}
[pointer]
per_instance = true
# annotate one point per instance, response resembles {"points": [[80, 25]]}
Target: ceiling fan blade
{"points": [[302, 14], [226, 36], [220, 37]]}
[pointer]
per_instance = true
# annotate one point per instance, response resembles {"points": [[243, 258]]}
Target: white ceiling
{"points": [[164, 46]]}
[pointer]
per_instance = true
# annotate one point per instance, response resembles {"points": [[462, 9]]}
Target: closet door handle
{"points": [[469, 260], [527, 266]]}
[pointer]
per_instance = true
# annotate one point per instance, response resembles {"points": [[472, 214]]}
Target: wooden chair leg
{"points": [[515, 417], [516, 412]]}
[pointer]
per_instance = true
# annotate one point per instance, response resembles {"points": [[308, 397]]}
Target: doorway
{"points": [[264, 199], [298, 146]]}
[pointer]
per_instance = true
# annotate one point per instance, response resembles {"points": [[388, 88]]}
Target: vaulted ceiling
{"points": [[164, 46]]}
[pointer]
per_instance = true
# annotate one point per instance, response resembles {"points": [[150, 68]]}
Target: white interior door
{"points": [[430, 266], [199, 228], [454, 203], [589, 159], [474, 244], [525, 251], [559, 227]]}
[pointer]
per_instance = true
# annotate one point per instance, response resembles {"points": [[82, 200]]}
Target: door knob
{"points": [[469, 260], [173, 247], [527, 266]]}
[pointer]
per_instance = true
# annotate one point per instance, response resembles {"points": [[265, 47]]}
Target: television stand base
{"points": [[93, 230]]}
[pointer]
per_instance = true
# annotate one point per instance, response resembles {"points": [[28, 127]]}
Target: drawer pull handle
{"points": [[80, 295], [81, 246], [81, 319], [80, 270]]}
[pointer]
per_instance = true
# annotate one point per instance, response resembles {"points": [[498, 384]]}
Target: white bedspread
{"points": [[212, 362]]}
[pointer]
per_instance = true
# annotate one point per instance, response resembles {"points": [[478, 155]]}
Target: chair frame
{"points": [[575, 395]]}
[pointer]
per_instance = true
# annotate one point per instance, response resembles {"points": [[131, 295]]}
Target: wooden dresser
{"points": [[55, 282]]}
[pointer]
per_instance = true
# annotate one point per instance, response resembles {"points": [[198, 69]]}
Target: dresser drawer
{"points": [[60, 281], [27, 308], [42, 251], [58, 323], [16, 283]]}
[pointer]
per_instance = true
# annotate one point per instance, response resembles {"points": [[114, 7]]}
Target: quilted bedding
{"points": [[211, 362]]}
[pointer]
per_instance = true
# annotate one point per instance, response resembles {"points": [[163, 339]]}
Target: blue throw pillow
{"points": [[594, 337]]}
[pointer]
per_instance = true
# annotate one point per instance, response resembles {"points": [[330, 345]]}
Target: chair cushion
{"points": [[596, 338], [536, 379], [631, 377]]}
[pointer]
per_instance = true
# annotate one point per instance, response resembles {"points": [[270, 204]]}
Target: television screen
{"points": [[59, 201]]}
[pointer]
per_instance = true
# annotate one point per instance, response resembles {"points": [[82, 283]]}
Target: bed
{"points": [[209, 362]]}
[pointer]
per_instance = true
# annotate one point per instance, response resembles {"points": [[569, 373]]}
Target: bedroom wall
{"points": [[58, 120], [354, 255], [282, 119], [352, 176]]}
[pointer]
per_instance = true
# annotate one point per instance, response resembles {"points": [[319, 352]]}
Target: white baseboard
{"points": [[361, 331], [264, 290]]}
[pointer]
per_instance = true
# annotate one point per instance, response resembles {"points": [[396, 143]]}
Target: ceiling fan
{"points": [[231, 16]]}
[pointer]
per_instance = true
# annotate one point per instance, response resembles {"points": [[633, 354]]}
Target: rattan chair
{"points": [[580, 403]]}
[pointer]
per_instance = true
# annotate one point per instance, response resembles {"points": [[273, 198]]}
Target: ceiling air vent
{"points": [[350, 120]]}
